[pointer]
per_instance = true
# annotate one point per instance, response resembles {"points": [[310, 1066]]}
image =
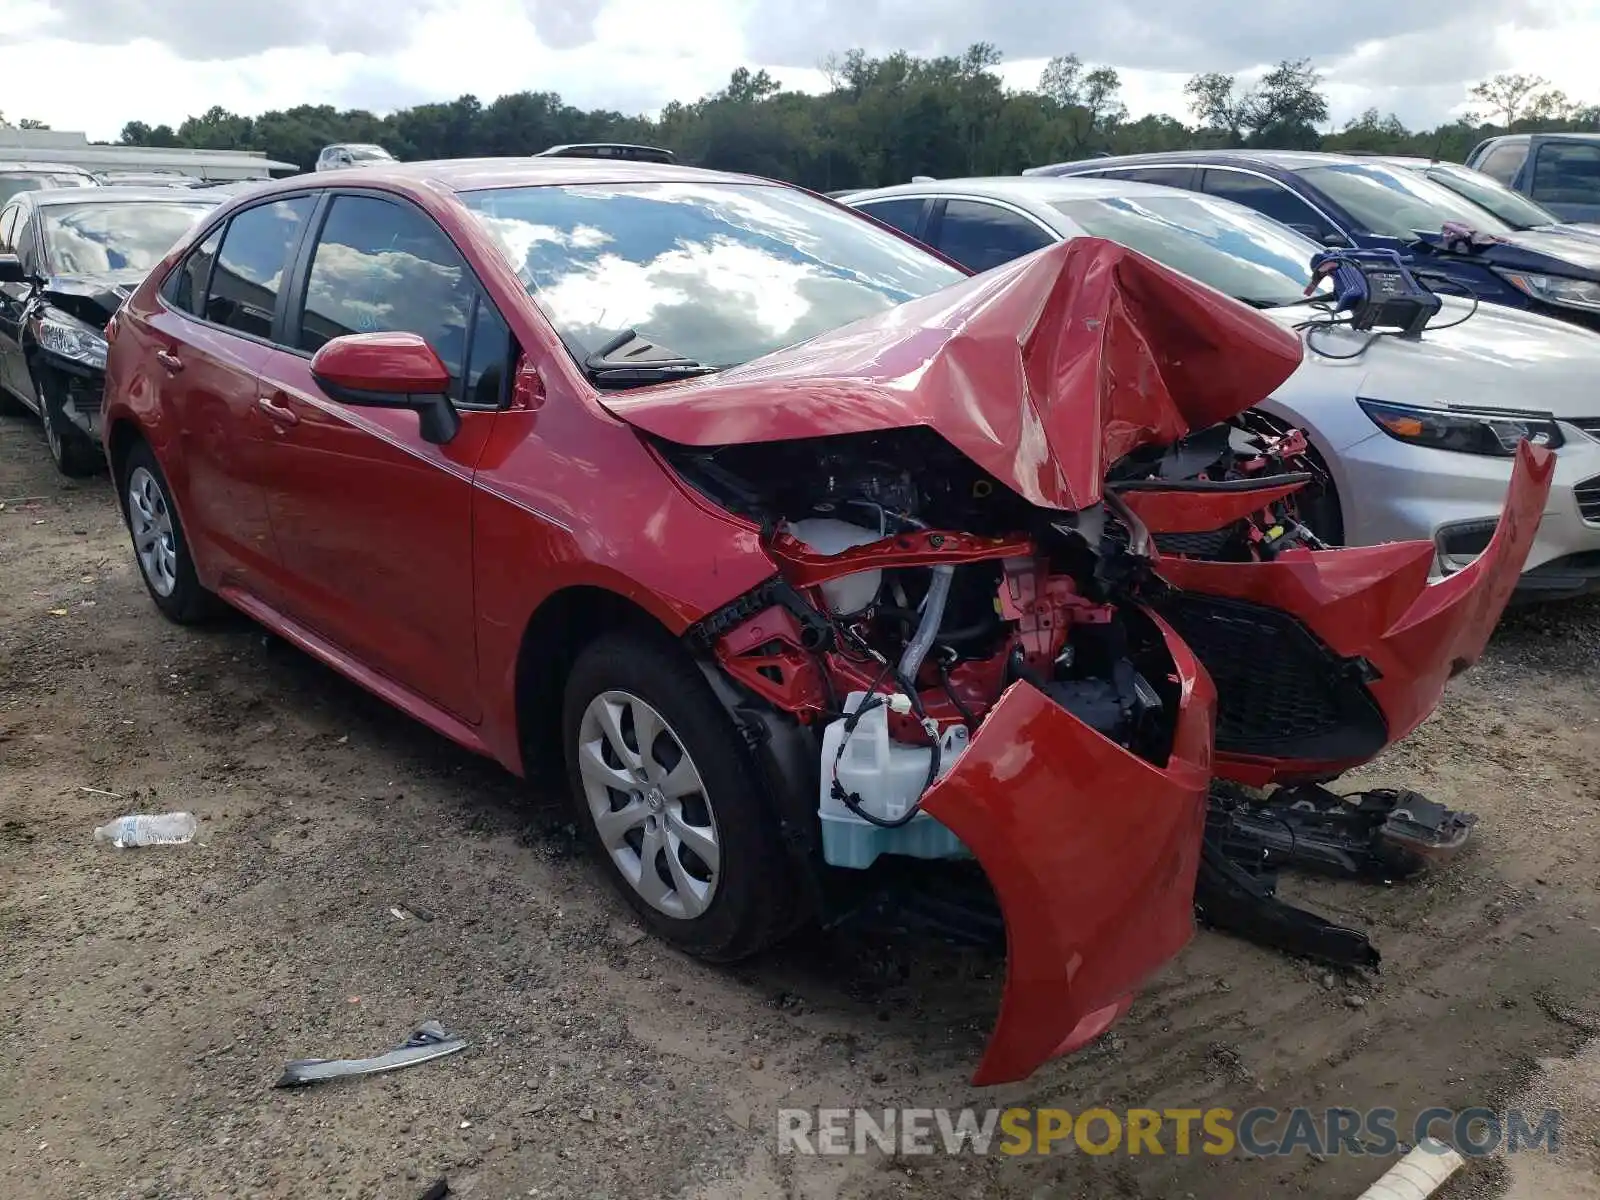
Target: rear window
{"points": [[86, 239], [249, 270], [721, 273]]}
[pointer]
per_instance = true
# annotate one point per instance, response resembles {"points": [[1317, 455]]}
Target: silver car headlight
{"points": [[1465, 430], [1555, 289], [72, 340]]}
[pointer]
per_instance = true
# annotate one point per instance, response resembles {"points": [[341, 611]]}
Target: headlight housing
{"points": [[1555, 289], [1466, 430], [73, 341]]}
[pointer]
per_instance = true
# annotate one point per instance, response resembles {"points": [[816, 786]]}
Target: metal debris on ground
{"points": [[426, 1043]]}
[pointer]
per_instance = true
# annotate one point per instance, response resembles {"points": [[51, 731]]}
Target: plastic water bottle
{"points": [[144, 829]]}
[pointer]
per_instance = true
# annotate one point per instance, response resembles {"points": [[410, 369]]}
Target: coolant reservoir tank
{"points": [[851, 593]]}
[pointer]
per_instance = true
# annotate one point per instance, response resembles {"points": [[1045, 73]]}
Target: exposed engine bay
{"points": [[913, 590]]}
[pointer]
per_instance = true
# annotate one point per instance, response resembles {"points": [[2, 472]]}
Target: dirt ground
{"points": [[149, 999]]}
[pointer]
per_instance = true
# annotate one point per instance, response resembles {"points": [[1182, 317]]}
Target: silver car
{"points": [[1416, 435]]}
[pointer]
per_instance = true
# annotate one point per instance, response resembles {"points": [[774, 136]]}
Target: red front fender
{"points": [[1375, 603], [1092, 853]]}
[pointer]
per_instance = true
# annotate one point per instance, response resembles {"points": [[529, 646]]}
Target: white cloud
{"points": [[635, 55]]}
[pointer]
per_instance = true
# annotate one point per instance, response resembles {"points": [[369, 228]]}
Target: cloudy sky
{"points": [[161, 60]]}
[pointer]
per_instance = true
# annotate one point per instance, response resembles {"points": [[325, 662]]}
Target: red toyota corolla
{"points": [[786, 538]]}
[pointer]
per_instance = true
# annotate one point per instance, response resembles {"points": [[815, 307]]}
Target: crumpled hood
{"points": [[93, 298], [1499, 358], [1043, 371]]}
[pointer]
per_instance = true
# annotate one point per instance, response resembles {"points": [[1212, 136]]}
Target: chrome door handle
{"points": [[277, 412], [169, 360]]}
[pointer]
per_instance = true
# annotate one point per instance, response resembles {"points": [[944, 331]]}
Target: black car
{"points": [[68, 259], [1344, 200]]}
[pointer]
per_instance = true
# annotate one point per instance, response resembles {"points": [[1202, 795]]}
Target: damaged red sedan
{"points": [[789, 542]]}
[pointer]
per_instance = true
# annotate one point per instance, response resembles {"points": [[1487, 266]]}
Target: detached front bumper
{"points": [[1375, 630], [1092, 853]]}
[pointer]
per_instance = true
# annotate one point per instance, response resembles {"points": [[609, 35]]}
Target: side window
{"points": [[1567, 173], [249, 270], [382, 267], [980, 236], [1270, 200], [1178, 177], [489, 360], [905, 215], [186, 286], [1504, 161]]}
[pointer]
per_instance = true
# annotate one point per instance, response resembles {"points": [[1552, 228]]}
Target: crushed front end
{"points": [[972, 646], [979, 677]]}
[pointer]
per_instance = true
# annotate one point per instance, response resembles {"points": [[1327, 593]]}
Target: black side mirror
{"points": [[11, 269]]}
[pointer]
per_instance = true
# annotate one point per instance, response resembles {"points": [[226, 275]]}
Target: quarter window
{"points": [[904, 215], [980, 236], [382, 267], [186, 287], [1270, 200], [254, 259]]}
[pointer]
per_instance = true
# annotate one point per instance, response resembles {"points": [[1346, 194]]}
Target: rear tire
{"points": [[681, 824], [159, 546]]}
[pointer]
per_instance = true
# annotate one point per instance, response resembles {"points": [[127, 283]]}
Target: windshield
{"points": [[369, 153], [718, 272], [1514, 209], [1398, 203], [13, 182], [85, 239], [1225, 245]]}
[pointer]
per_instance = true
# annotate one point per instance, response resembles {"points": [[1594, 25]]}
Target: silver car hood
{"points": [[1499, 357]]}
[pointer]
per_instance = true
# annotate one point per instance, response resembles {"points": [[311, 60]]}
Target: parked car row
{"points": [[802, 540], [1418, 443]]}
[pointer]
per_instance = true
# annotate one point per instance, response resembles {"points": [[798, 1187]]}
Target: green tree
{"points": [[1509, 95]]}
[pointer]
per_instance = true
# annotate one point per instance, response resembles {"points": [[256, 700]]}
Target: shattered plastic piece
{"points": [[145, 829], [426, 1043]]}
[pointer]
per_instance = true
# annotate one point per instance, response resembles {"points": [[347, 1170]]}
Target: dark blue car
{"points": [[1341, 200]]}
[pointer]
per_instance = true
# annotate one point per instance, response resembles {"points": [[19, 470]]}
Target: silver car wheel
{"points": [[150, 519], [649, 804]]}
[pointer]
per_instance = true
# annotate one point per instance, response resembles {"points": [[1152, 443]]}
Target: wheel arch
{"points": [[564, 623]]}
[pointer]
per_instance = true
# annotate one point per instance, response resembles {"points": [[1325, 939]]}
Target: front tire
{"points": [[74, 454], [670, 801], [159, 545]]}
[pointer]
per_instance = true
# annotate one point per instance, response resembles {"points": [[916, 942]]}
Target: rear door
{"points": [[372, 522], [13, 300], [205, 344]]}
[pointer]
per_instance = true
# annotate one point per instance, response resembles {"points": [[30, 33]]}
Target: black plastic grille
{"points": [[1588, 494], [1280, 692], [1196, 545]]}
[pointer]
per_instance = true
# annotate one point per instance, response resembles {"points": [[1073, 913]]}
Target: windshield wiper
{"points": [[629, 358]]}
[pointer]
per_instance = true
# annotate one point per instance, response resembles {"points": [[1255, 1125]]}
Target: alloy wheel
{"points": [[150, 519], [649, 804]]}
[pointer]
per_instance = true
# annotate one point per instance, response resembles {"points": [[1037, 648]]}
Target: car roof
{"points": [[112, 194], [1023, 189], [10, 166], [481, 174], [1284, 160]]}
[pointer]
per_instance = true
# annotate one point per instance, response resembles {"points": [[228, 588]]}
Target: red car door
{"points": [[201, 348], [373, 523]]}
